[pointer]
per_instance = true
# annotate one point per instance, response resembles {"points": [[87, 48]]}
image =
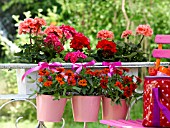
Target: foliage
{"points": [[6, 47], [121, 85]]}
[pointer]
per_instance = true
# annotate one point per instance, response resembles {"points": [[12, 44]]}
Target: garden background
{"points": [[86, 16]]}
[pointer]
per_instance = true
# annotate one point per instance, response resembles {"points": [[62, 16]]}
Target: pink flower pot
{"points": [[86, 108], [113, 111], [49, 110]]}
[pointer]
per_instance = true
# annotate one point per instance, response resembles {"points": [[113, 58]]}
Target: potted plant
{"points": [[48, 44], [52, 94], [87, 93], [110, 50], [118, 90]]}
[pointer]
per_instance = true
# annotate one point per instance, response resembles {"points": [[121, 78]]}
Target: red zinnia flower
{"points": [[48, 83], [127, 92], [127, 79], [105, 70], [71, 81], [119, 84], [138, 79], [119, 72], [103, 83], [133, 86], [40, 79]]}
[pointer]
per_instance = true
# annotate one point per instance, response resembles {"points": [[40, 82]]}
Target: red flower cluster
{"points": [[130, 85], [108, 46], [79, 42], [120, 84], [104, 82]]}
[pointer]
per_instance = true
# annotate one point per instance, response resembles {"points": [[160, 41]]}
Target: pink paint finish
{"points": [[161, 53], [86, 108], [162, 39], [113, 111], [50, 110], [124, 123]]}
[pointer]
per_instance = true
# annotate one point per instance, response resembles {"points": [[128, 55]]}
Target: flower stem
{"points": [[128, 39], [141, 39], [30, 37]]}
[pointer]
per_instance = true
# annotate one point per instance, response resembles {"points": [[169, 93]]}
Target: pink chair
{"points": [[157, 53]]}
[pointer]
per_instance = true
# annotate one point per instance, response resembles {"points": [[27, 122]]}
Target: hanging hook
{"points": [[17, 120], [63, 123]]}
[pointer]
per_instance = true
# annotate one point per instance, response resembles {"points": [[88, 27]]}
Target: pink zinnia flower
{"points": [[54, 29], [144, 30], [104, 34], [126, 33], [68, 31]]}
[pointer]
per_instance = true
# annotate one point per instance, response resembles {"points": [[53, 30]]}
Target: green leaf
{"points": [[84, 91], [77, 89], [91, 90]]}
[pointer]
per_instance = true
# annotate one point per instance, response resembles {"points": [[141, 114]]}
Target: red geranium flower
{"points": [[80, 41], [107, 46]]}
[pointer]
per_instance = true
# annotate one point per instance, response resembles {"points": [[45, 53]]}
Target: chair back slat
{"points": [[162, 39], [161, 53]]}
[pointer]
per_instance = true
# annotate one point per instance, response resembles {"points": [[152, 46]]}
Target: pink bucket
{"points": [[113, 111], [86, 108], [49, 110]]}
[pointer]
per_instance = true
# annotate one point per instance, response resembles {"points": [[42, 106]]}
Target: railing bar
{"points": [[68, 65]]}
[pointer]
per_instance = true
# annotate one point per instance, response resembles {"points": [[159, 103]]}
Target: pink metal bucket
{"points": [[49, 110], [86, 108], [113, 111]]}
